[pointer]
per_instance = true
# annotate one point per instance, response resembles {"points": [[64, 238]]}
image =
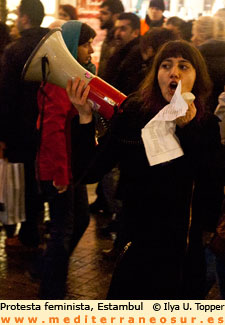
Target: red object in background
{"points": [[104, 97]]}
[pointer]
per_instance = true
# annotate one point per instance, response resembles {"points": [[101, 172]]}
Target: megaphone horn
{"points": [[52, 62]]}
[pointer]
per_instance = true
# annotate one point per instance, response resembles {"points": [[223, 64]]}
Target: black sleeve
{"points": [[201, 142], [9, 89], [91, 161]]}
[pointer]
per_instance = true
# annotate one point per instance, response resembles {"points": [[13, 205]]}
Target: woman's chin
{"points": [[168, 98]]}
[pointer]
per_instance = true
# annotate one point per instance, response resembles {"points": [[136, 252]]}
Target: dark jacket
{"points": [[107, 49], [157, 200], [154, 23], [18, 99], [133, 71], [115, 73], [214, 53]]}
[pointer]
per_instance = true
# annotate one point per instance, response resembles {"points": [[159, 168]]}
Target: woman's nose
{"points": [[91, 50], [175, 72]]}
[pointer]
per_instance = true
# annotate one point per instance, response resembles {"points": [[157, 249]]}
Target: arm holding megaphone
{"points": [[52, 62], [77, 92]]}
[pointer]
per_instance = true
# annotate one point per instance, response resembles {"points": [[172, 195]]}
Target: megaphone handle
{"points": [[44, 62]]}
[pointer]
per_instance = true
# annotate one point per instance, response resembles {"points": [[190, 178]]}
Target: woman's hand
{"points": [[60, 188], [190, 114], [78, 93]]}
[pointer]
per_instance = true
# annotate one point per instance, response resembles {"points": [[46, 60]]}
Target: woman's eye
{"points": [[183, 67], [165, 66]]}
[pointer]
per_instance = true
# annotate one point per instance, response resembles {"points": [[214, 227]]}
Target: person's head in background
{"points": [[14, 32], [176, 24], [220, 14], [187, 30], [207, 27], [67, 12], [30, 14], [79, 37], [155, 10], [152, 40], [190, 68], [127, 28], [109, 11], [4, 36]]}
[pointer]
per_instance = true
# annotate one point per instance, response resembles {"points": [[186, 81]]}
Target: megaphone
{"points": [[52, 62]]}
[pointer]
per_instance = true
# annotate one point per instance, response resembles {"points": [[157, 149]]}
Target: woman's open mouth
{"points": [[173, 87]]}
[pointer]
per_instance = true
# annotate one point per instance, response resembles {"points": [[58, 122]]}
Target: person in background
{"points": [[140, 59], [4, 36], [220, 13], [187, 30], [178, 25], [14, 32], [206, 28], [5, 39], [164, 258], [219, 251], [126, 37], [154, 16], [220, 112], [108, 13], [67, 12], [68, 204], [208, 34], [19, 111]]}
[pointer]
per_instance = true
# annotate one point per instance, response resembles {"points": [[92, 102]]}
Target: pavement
{"points": [[90, 271]]}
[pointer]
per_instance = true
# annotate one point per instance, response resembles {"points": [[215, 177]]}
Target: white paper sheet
{"points": [[158, 135]]}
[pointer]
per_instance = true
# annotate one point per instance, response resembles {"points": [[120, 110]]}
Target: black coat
{"points": [[157, 201], [133, 71], [115, 72], [18, 100], [213, 52], [107, 49]]}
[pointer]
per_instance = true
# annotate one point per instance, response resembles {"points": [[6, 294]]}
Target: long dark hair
{"points": [[70, 10], [150, 91]]}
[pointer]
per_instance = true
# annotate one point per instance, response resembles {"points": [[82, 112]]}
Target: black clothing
{"points": [[156, 202], [119, 74], [115, 72], [18, 110], [69, 220], [213, 52], [154, 23], [133, 71], [107, 50], [18, 115]]}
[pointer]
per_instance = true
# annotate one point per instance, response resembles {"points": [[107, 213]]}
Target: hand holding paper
{"points": [[158, 135], [190, 114]]}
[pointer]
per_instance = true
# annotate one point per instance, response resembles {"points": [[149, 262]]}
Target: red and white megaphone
{"points": [[52, 62]]}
